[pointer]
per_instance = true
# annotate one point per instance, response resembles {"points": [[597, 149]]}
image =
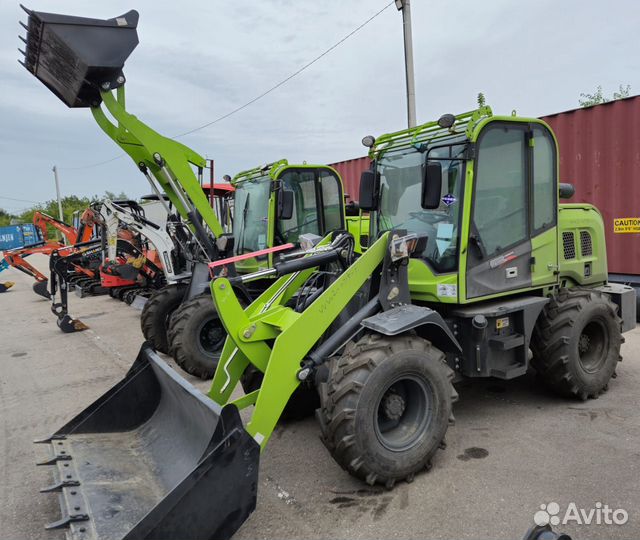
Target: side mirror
{"points": [[432, 185], [566, 190], [285, 204], [369, 181]]}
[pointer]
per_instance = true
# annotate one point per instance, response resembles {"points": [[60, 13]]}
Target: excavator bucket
{"points": [[153, 458], [41, 288], [76, 57]]}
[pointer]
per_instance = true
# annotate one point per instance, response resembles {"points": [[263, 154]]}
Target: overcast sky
{"points": [[198, 59]]}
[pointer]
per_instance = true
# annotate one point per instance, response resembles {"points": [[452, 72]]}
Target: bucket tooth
{"points": [[66, 521], [53, 460], [47, 440], [58, 487], [25, 9]]}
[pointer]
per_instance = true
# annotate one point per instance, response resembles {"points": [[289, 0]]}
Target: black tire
{"points": [[576, 343], [303, 402], [156, 313], [386, 407], [196, 336]]}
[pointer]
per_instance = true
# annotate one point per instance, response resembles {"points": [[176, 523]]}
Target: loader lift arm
{"points": [[93, 53], [251, 330]]}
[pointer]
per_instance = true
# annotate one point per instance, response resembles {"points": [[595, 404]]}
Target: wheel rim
{"points": [[211, 336], [593, 346], [404, 412]]}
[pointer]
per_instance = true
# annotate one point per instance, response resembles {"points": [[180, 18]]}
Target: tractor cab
{"points": [[487, 188], [278, 203]]}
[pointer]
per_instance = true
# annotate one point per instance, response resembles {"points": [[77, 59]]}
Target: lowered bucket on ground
{"points": [[154, 459]]}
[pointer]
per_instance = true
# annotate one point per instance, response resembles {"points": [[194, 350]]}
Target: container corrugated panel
{"points": [[350, 171], [16, 236], [600, 155]]}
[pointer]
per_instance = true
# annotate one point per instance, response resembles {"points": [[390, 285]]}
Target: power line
{"points": [[284, 81], [20, 200], [258, 97], [92, 165]]}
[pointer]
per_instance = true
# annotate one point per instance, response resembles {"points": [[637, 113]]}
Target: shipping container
{"points": [[350, 171], [600, 155], [17, 236]]}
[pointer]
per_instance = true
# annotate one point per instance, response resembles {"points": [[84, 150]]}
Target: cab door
{"points": [[512, 234]]}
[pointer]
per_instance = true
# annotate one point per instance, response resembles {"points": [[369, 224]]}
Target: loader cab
{"points": [[493, 230], [278, 203]]}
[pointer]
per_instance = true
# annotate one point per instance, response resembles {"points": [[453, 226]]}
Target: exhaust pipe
{"points": [[76, 57], [153, 459]]}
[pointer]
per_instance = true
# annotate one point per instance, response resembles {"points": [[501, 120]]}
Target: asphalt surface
{"points": [[513, 448]]}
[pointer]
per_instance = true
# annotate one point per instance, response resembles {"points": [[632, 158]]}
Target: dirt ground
{"points": [[513, 448]]}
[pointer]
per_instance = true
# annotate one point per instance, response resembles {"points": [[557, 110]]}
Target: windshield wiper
{"points": [[244, 224]]}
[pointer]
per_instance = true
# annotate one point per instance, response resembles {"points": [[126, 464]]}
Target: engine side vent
{"points": [[586, 245], [569, 245]]}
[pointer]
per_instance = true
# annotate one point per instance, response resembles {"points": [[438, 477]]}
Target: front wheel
{"points": [[386, 407], [156, 313], [196, 336]]}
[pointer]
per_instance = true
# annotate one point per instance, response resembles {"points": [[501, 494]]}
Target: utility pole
{"points": [[55, 175], [405, 7]]}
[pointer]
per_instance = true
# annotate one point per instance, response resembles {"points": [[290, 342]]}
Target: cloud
{"points": [[199, 60]]}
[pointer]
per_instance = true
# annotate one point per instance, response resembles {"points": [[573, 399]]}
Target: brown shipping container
{"points": [[600, 155], [350, 171]]}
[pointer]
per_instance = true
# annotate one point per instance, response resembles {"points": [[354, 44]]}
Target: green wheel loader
{"points": [[472, 263], [276, 205]]}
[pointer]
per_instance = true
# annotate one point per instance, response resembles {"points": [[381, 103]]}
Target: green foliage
{"points": [[5, 218], [588, 100], [70, 205], [481, 100]]}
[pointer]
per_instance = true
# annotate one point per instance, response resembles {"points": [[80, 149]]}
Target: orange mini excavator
{"points": [[17, 257]]}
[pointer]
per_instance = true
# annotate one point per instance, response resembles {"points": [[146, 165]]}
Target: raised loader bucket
{"points": [[154, 458], [76, 57]]}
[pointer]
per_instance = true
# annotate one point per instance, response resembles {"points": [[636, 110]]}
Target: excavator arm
{"points": [[41, 220], [155, 234]]}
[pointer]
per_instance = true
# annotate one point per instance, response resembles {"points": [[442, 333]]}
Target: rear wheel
{"points": [[576, 343], [196, 336], [156, 313], [386, 407]]}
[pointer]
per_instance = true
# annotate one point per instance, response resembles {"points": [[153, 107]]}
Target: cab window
{"points": [[500, 216]]}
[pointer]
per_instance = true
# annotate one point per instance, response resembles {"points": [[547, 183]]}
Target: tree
{"points": [[481, 100], [5, 218], [598, 97]]}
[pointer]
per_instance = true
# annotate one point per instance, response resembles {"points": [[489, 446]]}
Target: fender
{"points": [[428, 323]]}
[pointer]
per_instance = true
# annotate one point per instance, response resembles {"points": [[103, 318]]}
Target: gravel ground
{"points": [[513, 448]]}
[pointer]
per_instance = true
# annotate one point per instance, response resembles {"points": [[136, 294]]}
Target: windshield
{"points": [[251, 215], [400, 194]]}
